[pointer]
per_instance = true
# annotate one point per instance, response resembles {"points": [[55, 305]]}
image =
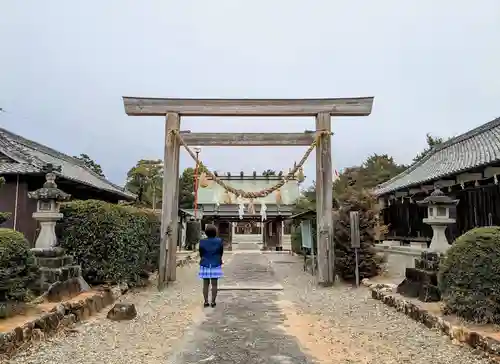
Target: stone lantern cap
{"points": [[49, 191], [437, 197]]}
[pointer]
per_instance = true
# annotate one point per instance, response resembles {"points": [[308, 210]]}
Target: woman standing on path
{"points": [[211, 250]]}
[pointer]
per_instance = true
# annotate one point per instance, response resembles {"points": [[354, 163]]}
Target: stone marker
{"points": [[122, 312]]}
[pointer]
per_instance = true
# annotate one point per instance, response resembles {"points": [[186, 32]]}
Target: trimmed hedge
{"points": [[17, 266], [112, 243], [469, 276]]}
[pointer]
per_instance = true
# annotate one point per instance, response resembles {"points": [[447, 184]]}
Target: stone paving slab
{"points": [[249, 269], [241, 251], [252, 287], [247, 326]]}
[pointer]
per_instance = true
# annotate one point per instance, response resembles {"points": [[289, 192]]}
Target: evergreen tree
{"points": [[432, 142], [354, 199], [90, 164]]}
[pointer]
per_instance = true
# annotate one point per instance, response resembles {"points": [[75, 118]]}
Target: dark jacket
{"points": [[211, 250]]}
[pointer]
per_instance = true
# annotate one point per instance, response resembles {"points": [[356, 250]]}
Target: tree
{"points": [[361, 200], [90, 164], [307, 201], [145, 179], [380, 168], [432, 142], [376, 169], [352, 192], [269, 172], [186, 187]]}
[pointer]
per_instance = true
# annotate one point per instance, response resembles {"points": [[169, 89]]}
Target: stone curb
{"points": [[483, 343], [65, 314]]}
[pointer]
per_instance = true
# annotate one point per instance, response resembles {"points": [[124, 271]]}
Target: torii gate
{"points": [[321, 109]]}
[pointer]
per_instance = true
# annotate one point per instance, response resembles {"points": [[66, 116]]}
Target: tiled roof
{"points": [[30, 157], [476, 148], [17, 168]]}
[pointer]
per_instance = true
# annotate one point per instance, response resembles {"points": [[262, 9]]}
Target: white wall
{"points": [[214, 192]]}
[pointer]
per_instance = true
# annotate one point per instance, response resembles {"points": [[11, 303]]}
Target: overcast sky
{"points": [[433, 66]]}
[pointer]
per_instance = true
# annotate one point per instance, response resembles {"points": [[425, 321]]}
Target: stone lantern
{"points": [[438, 208], [59, 277], [47, 210]]}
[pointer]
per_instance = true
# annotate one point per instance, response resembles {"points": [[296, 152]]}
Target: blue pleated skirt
{"points": [[210, 272]]}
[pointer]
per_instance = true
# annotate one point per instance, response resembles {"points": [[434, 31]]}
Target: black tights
{"points": [[206, 284]]}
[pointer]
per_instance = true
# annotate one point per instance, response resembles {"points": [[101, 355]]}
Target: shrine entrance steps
{"points": [[247, 242]]}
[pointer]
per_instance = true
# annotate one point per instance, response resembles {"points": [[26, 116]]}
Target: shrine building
{"points": [[246, 223]]}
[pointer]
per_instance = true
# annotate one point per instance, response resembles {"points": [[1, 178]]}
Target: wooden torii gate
{"points": [[321, 109]]}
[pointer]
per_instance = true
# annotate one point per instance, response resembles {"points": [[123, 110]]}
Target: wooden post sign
{"points": [[355, 235], [355, 240]]}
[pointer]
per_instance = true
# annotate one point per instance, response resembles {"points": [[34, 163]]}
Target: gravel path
{"points": [[345, 325], [150, 338], [300, 325]]}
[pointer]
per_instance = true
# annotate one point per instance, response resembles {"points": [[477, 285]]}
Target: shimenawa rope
{"points": [[265, 192]]}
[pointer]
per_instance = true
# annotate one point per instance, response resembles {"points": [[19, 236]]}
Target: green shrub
{"points": [[151, 235], [469, 276], [296, 238], [112, 243], [17, 266], [4, 216], [369, 262]]}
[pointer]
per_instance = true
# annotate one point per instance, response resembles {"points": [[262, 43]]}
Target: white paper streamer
{"points": [[263, 211], [241, 207]]}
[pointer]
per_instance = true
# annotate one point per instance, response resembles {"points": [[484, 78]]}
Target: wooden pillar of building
{"points": [[279, 234], [168, 246], [265, 235], [324, 185]]}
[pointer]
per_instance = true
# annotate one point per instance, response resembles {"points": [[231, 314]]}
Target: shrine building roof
{"points": [[19, 155], [476, 148]]}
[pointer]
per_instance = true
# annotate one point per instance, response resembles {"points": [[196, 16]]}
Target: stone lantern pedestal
{"points": [[422, 281], [59, 276]]}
